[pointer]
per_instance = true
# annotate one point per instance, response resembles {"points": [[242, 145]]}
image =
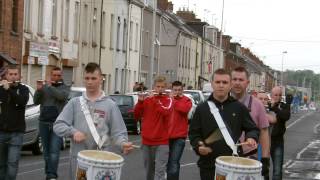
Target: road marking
{"points": [[287, 163], [315, 129], [40, 169], [41, 162], [299, 119], [188, 164]]}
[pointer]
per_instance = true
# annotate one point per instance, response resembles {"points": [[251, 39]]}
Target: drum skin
{"points": [[237, 168], [96, 165]]}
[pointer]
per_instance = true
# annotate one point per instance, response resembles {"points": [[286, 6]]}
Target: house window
{"points": [[131, 35], [137, 40], [94, 24], [27, 15], [54, 18], [76, 21], [66, 21], [85, 24], [40, 17], [103, 29], [14, 24], [118, 32], [124, 36], [112, 31]]}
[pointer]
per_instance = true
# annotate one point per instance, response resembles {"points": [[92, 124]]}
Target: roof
{"points": [[7, 58]]}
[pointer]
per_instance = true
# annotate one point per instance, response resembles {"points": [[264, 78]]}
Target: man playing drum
{"points": [[105, 115], [203, 125]]}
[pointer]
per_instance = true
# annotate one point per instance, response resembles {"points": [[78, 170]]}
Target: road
{"points": [[302, 154]]}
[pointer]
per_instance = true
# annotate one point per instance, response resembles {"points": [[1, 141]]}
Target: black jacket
{"points": [[13, 107], [282, 112], [237, 119]]}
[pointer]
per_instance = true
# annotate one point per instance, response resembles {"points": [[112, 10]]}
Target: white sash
{"points": [[93, 130], [226, 135]]}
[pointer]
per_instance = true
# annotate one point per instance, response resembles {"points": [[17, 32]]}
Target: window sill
{"points": [[84, 43], [14, 33], [111, 48], [103, 47], [118, 49], [28, 31], [75, 41], [54, 37], [40, 34], [94, 44], [66, 40]]}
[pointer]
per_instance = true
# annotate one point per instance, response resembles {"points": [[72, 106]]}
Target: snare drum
{"points": [[93, 164], [237, 168]]}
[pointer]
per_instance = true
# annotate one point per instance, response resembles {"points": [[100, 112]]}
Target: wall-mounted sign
{"points": [[38, 49], [43, 60]]}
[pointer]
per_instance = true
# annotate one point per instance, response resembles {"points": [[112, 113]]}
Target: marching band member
{"points": [[13, 100], [52, 95], [154, 110]]}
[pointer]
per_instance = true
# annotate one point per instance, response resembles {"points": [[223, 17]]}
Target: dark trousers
{"points": [[207, 173], [51, 148], [10, 147], [277, 152], [176, 147]]}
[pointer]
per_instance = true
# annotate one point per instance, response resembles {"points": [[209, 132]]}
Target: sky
{"points": [[268, 27]]}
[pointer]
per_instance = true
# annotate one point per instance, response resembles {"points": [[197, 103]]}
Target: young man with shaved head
{"points": [[282, 111], [204, 125], [240, 82]]}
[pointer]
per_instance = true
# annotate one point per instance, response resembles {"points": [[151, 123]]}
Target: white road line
{"points": [[41, 162], [40, 169], [299, 119], [287, 163], [188, 164], [315, 129], [303, 150]]}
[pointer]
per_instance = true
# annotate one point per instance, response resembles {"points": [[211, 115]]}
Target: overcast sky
{"points": [[268, 28]]}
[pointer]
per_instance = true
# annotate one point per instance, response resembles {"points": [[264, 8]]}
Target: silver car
{"points": [[31, 140]]}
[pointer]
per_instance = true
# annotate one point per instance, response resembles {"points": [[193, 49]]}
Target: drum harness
{"points": [[226, 135], [99, 140]]}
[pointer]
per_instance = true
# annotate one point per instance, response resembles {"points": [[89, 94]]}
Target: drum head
{"points": [[237, 161], [100, 156]]}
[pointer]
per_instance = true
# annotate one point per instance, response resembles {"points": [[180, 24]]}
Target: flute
{"points": [[52, 82], [10, 83]]}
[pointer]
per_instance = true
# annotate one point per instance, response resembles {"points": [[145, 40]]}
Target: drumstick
{"points": [[135, 146], [241, 144]]}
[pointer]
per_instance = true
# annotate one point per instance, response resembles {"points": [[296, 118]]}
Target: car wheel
{"points": [[64, 144], [138, 128], [37, 147]]}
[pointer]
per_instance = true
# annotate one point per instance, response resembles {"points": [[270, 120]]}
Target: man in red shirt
{"points": [[178, 129], [154, 111]]}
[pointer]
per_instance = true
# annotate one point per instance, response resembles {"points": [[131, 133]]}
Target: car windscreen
{"points": [[195, 95], [73, 94], [122, 100]]}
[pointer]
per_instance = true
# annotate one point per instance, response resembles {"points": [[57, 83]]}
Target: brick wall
{"points": [[11, 42]]}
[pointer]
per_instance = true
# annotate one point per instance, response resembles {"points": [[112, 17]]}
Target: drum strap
{"points": [[224, 131], [84, 108]]}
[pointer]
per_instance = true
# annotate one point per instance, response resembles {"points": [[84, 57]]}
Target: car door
{"points": [[31, 118]]}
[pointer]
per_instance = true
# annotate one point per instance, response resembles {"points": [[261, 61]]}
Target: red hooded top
{"points": [[154, 113], [178, 125]]}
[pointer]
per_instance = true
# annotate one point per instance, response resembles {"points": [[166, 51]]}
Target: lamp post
{"points": [[221, 50], [283, 53]]}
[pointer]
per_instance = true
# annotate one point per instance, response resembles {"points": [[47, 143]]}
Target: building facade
{"points": [[11, 32]]}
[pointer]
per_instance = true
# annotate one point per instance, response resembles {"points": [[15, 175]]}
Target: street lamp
{"points": [[221, 50], [283, 53]]}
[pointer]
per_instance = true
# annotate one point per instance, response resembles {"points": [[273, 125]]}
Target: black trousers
{"points": [[207, 173]]}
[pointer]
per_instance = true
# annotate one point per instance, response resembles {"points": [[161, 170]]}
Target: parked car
{"points": [[126, 105], [193, 108], [196, 94], [76, 92], [31, 139]]}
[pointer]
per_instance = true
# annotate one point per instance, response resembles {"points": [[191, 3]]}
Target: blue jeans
{"points": [[277, 152], [51, 148], [10, 147], [176, 147]]}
